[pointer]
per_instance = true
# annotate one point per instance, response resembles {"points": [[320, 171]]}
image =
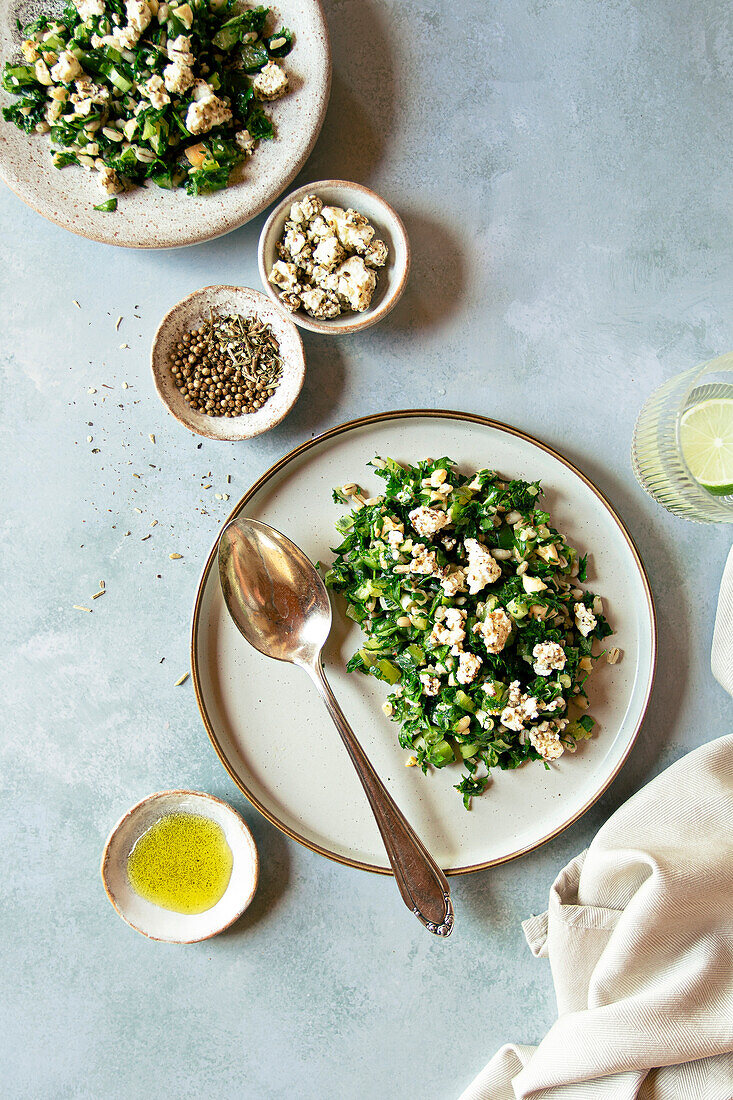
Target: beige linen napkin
{"points": [[639, 934]]}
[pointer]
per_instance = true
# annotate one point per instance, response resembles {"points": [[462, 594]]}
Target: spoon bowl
{"points": [[284, 612], [281, 606]]}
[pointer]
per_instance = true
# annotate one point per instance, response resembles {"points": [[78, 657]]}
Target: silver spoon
{"points": [[281, 606]]}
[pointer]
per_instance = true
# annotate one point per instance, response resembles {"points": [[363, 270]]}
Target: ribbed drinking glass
{"points": [[682, 450]]}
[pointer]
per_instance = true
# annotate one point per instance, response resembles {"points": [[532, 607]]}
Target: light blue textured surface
{"points": [[563, 168]]}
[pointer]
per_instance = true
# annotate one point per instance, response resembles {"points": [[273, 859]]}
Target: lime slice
{"points": [[706, 438]]}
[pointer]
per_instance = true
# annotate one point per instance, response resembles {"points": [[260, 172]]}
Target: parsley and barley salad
{"points": [[471, 607], [144, 90]]}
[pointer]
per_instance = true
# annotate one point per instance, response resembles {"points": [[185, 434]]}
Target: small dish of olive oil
{"points": [[180, 866]]}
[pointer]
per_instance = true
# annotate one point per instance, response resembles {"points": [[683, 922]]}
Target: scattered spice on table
{"points": [[181, 680], [229, 366]]}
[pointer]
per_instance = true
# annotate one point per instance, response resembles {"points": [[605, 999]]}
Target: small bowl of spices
{"points": [[228, 363], [180, 866]]}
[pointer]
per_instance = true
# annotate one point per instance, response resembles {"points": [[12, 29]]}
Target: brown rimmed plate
{"points": [[277, 743]]}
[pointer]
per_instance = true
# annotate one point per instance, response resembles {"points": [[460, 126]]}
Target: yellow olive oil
{"points": [[182, 862]]}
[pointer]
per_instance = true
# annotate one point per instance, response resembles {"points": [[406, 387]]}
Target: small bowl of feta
{"points": [[335, 256]]}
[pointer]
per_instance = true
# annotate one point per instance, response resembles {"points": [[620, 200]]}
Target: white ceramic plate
{"points": [[276, 740], [150, 217]]}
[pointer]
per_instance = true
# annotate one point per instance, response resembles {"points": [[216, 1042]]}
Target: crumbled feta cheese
{"points": [[356, 283], [454, 583], [245, 142], [178, 76], [270, 82], [449, 628], [318, 228], [320, 304], [291, 301], [513, 719], [89, 8], [545, 738], [66, 69], [125, 38], [427, 521], [352, 229], [326, 280], [109, 181], [179, 47], [430, 684], [376, 255], [585, 620], [395, 538], [284, 275], [323, 250], [82, 104], [521, 708], [495, 630], [328, 252], [207, 112], [294, 242], [154, 90], [468, 667], [548, 656], [201, 90], [306, 210], [313, 299], [482, 568], [424, 561], [87, 89], [139, 15]]}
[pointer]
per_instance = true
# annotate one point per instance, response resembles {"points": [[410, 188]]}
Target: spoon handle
{"points": [[421, 882]]}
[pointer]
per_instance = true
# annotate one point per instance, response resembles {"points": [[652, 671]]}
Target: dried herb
{"points": [[228, 367]]}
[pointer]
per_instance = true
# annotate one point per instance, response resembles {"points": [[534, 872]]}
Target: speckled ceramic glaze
{"points": [[391, 278], [150, 217], [164, 924], [267, 724], [222, 301]]}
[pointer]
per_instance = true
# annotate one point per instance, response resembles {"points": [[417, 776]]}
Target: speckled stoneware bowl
{"points": [[391, 278], [222, 301], [150, 217], [163, 924]]}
